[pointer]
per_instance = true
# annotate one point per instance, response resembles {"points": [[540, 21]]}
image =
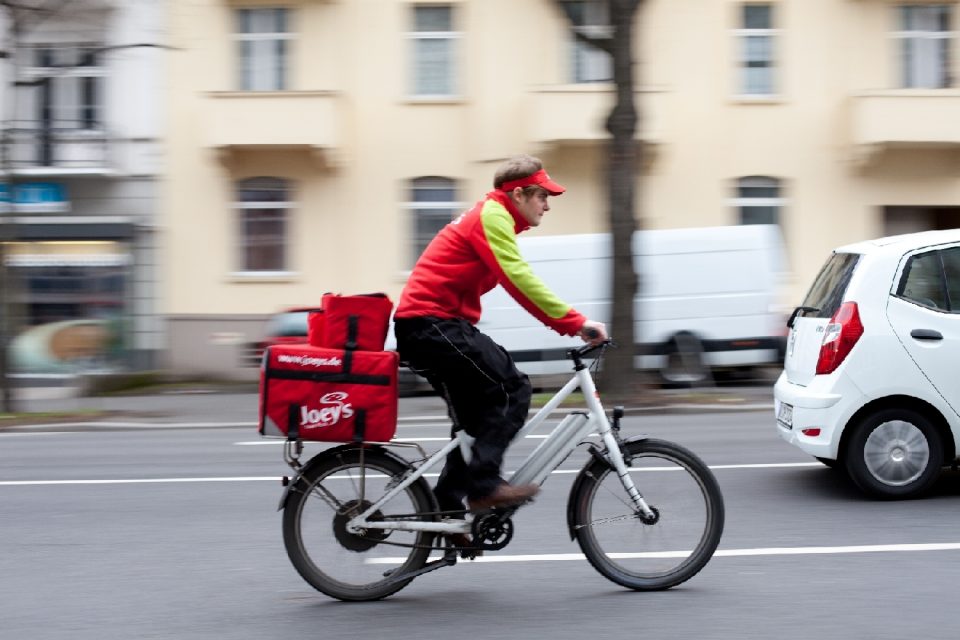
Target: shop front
{"points": [[69, 284]]}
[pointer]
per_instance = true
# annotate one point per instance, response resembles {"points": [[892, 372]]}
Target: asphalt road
{"points": [[174, 533]]}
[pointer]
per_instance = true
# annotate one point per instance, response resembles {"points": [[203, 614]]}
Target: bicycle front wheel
{"points": [[348, 565], [661, 552]]}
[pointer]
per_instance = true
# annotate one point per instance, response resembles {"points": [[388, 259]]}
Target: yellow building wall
{"points": [[358, 137]]}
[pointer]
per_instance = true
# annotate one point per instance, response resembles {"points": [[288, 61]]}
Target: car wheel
{"points": [[894, 454]]}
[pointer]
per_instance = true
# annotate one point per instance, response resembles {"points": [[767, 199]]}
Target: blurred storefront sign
{"points": [[34, 197], [66, 346], [67, 254]]}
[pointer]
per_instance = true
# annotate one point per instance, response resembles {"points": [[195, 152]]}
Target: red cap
{"points": [[540, 178]]}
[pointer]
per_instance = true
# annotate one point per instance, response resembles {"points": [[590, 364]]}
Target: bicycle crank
{"points": [[492, 530]]}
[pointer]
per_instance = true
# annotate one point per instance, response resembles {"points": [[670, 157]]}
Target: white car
{"points": [[871, 379]]}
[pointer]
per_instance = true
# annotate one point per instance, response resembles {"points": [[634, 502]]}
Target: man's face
{"points": [[532, 207]]}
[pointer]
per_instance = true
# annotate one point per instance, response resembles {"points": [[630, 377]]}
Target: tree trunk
{"points": [[619, 380]]}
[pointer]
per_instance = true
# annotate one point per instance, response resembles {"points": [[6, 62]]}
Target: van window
{"points": [[828, 288]]}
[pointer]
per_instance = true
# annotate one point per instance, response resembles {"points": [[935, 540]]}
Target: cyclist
{"points": [[436, 334]]}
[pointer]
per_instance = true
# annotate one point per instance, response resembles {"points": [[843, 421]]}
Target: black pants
{"points": [[486, 396]]}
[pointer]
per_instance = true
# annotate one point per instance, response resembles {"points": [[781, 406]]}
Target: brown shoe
{"points": [[503, 495]]}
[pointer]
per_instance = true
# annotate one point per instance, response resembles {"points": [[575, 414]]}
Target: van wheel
{"points": [[894, 454], [684, 365]]}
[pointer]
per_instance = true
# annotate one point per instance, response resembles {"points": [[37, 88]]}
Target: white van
{"points": [[708, 298]]}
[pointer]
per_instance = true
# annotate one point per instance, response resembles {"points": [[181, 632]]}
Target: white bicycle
{"points": [[360, 521]]}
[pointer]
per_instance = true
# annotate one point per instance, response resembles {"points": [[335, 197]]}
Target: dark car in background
{"points": [[286, 327]]}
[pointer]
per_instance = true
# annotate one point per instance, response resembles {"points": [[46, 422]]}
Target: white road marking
{"points": [[37, 428], [768, 551], [27, 483], [41, 433]]}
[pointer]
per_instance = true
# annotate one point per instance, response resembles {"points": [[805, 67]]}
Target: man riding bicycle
{"points": [[436, 334]]}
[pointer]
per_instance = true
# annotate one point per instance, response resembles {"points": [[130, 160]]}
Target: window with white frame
{"points": [[263, 206], [590, 64], [434, 49], [758, 200], [432, 205], [66, 90], [756, 44], [924, 45], [263, 37]]}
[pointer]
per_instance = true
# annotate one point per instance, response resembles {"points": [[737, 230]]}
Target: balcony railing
{"points": [[57, 149]]}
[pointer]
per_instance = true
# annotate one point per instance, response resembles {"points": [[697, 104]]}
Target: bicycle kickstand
{"points": [[448, 560]]}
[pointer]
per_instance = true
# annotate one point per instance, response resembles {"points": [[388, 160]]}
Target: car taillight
{"points": [[839, 337]]}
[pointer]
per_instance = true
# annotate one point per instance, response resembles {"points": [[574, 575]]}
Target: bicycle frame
{"points": [[557, 446]]}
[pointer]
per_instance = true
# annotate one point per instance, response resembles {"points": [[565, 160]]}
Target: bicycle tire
{"points": [[657, 556], [332, 560]]}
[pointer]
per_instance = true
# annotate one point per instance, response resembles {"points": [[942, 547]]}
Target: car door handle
{"points": [[926, 334]]}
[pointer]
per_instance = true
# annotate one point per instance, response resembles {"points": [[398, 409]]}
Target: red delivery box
{"points": [[356, 322], [330, 395]]}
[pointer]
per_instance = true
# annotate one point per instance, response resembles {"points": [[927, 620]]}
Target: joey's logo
{"points": [[333, 407]]}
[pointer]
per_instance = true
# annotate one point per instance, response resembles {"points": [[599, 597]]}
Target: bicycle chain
{"points": [[435, 547]]}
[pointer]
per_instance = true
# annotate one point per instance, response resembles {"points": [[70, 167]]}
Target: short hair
{"points": [[515, 168]]}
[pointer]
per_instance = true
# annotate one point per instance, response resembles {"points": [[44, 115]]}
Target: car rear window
{"points": [[292, 323], [828, 288]]}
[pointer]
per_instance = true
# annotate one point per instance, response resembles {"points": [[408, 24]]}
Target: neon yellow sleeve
{"points": [[514, 273]]}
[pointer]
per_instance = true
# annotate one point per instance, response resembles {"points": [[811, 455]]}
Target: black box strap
{"points": [[293, 422], [360, 425], [316, 376], [353, 331]]}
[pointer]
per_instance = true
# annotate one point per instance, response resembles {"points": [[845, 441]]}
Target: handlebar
{"points": [[577, 353]]}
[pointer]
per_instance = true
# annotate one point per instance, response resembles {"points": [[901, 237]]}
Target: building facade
{"points": [[316, 145], [78, 192]]}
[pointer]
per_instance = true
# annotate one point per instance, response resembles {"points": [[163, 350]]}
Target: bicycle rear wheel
{"points": [[657, 555], [332, 489]]}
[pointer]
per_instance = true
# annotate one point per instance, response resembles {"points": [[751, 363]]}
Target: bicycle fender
{"points": [[598, 462], [324, 455]]}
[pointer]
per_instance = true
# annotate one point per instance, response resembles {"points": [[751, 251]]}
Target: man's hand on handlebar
{"points": [[593, 332]]}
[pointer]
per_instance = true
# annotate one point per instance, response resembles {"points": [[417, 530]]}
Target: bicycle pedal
{"points": [[471, 553]]}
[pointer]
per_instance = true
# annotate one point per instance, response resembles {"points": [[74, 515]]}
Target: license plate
{"points": [[785, 415]]}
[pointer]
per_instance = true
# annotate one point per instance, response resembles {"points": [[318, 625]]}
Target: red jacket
{"points": [[472, 255]]}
